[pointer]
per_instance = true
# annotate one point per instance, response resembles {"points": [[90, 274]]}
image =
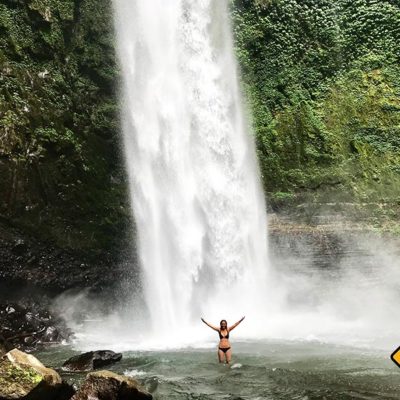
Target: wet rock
{"points": [[51, 334], [29, 341], [10, 310], [19, 247], [5, 346], [151, 383], [29, 326], [23, 376], [109, 386], [91, 360], [43, 266]]}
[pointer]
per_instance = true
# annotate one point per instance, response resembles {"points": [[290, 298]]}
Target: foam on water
{"points": [[132, 373]]}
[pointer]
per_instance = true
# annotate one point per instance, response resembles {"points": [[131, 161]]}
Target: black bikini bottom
{"points": [[224, 350]]}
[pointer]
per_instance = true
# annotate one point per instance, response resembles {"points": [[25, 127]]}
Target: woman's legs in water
{"points": [[225, 356], [228, 356]]}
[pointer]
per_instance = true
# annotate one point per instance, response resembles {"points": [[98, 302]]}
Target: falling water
{"points": [[194, 180]]}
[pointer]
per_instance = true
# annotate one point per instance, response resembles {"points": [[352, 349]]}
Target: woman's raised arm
{"points": [[236, 324], [211, 326]]}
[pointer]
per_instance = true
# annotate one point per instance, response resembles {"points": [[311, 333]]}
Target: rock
{"points": [[51, 334], [151, 383], [28, 326], [5, 346], [23, 376], [19, 247], [29, 341], [91, 360], [10, 310], [106, 385]]}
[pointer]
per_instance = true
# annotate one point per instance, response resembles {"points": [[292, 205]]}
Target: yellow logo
{"points": [[396, 357]]}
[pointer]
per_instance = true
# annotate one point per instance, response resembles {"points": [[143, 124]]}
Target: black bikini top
{"points": [[223, 337]]}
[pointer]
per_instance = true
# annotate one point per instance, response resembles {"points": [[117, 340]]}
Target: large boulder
{"points": [[91, 360], [23, 376], [106, 385]]}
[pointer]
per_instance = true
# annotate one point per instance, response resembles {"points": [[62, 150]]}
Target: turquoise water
{"points": [[260, 370]]}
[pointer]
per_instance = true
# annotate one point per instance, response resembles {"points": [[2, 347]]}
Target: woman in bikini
{"points": [[224, 347]]}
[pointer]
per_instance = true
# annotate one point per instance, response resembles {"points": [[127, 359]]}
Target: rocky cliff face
{"points": [[322, 81], [32, 267], [61, 171]]}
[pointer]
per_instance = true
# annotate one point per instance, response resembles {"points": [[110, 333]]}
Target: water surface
{"points": [[260, 370]]}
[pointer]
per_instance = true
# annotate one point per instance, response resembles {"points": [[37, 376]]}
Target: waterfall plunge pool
{"points": [[268, 369]]}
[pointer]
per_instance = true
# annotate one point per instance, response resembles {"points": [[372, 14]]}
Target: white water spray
{"points": [[200, 211], [194, 180]]}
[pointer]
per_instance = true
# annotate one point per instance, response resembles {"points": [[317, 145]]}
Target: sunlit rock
{"points": [[110, 386], [24, 376]]}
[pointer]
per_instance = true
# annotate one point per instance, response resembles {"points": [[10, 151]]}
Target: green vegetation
{"points": [[323, 81], [60, 169], [12, 376]]}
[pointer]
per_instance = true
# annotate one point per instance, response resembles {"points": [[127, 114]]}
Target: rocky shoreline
{"points": [[24, 377], [30, 326], [33, 266]]}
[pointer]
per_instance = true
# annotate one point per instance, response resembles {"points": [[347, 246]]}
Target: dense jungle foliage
{"points": [[323, 82], [322, 79], [61, 174]]}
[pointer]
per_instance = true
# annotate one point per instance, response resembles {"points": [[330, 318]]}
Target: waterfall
{"points": [[195, 188]]}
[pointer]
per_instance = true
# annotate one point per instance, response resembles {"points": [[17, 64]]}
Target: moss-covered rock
{"points": [[322, 80], [61, 173], [17, 382], [23, 376]]}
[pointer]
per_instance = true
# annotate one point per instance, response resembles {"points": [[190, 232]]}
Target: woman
{"points": [[224, 347]]}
